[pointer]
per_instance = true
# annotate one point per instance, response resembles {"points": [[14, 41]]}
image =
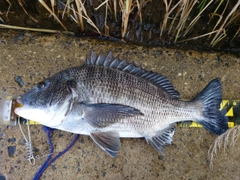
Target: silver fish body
{"points": [[107, 98]]}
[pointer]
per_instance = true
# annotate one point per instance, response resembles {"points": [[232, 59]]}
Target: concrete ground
{"points": [[35, 57]]}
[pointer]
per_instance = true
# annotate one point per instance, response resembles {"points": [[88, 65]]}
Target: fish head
{"points": [[48, 102]]}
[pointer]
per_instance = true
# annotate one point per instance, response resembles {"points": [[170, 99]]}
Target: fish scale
{"points": [[148, 99], [107, 98]]}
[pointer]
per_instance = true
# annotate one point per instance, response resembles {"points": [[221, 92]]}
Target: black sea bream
{"points": [[107, 98]]}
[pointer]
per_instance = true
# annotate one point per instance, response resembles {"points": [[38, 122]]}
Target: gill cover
{"points": [[49, 102]]}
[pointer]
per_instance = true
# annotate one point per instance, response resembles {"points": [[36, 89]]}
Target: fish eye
{"points": [[42, 85]]}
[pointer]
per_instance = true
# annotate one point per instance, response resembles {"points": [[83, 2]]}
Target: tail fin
{"points": [[211, 97]]}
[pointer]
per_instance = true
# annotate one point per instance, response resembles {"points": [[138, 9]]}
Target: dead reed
{"points": [[179, 17], [224, 141]]}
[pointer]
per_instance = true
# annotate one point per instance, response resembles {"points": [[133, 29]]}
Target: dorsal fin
{"points": [[122, 65]]}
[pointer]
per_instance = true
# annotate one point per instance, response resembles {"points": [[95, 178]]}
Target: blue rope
{"points": [[49, 161], [42, 168]]}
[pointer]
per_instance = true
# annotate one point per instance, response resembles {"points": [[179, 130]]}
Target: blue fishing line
{"points": [[42, 168], [49, 161], [65, 150]]}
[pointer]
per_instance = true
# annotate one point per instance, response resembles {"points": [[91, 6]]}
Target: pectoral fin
{"points": [[162, 138], [108, 141], [102, 114]]}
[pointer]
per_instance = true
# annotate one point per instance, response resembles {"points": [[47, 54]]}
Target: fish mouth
{"points": [[19, 106], [19, 101]]}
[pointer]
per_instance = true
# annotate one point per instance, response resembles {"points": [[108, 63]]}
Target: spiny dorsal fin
{"points": [[122, 65]]}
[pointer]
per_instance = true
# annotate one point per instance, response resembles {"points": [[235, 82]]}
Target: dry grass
{"points": [[226, 140], [183, 11], [179, 19], [22, 4], [52, 13], [126, 8], [35, 29], [227, 22]]}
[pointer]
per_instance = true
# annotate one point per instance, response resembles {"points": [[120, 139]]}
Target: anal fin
{"points": [[162, 138], [108, 141]]}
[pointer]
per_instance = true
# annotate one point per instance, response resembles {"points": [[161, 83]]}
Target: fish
{"points": [[108, 98]]}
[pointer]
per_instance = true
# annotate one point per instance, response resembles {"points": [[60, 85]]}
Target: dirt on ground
{"points": [[34, 57]]}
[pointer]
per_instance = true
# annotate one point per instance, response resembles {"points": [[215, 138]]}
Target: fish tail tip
{"points": [[213, 119]]}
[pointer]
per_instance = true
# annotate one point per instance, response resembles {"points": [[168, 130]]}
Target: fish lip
{"points": [[19, 100]]}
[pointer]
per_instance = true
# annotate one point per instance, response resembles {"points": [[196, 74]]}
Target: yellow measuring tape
{"points": [[231, 109], [197, 125]]}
